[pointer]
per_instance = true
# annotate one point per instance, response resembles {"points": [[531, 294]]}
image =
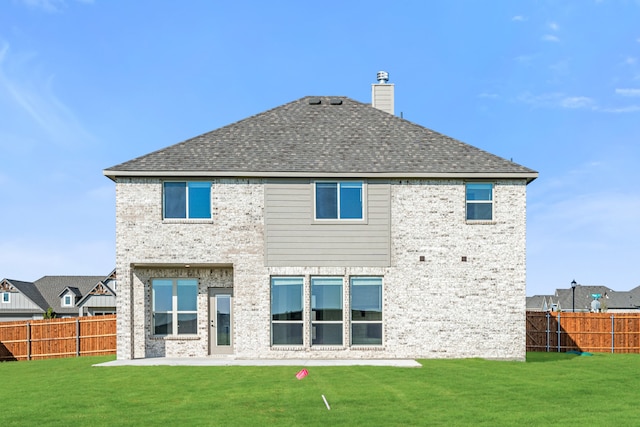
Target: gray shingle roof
{"points": [[30, 290], [336, 136], [51, 287], [583, 296]]}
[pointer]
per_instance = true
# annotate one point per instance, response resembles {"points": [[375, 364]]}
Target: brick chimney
{"points": [[382, 93]]}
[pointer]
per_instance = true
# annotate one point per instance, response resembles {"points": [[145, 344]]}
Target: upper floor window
{"points": [[67, 300], [479, 201], [5, 297], [339, 200], [187, 199]]}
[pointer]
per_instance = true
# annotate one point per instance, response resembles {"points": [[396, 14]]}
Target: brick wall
{"points": [[439, 307]]}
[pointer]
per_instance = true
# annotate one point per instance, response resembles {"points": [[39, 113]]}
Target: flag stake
{"points": [[326, 403]]}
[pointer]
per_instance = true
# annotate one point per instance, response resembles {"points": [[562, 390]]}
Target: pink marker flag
{"points": [[300, 375]]}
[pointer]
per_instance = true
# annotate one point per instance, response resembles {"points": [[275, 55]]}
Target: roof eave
{"points": [[529, 176]]}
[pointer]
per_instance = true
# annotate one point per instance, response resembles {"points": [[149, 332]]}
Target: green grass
{"points": [[549, 389]]}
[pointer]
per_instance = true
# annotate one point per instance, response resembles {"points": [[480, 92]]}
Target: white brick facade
{"points": [[438, 307]]}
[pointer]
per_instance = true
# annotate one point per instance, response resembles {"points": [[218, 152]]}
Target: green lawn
{"points": [[549, 389]]}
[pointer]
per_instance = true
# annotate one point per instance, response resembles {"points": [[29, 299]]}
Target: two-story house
{"points": [[322, 228], [66, 296]]}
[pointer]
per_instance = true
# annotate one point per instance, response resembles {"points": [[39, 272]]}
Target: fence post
{"points": [[548, 331], [77, 337], [28, 341], [613, 334], [559, 332]]}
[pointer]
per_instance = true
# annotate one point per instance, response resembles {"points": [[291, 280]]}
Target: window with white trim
{"points": [[326, 311], [366, 310], [479, 196], [187, 199], [286, 310], [175, 306], [6, 298], [341, 200], [67, 300]]}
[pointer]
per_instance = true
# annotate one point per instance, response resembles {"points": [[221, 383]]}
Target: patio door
{"points": [[220, 320]]}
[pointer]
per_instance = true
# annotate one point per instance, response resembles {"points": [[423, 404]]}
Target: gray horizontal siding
{"points": [[294, 239]]}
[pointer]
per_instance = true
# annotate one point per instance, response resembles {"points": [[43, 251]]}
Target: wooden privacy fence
{"points": [[592, 332], [56, 338]]}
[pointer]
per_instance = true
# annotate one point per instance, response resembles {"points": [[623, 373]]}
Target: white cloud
{"points": [[518, 18], [550, 38], [557, 100], [3, 51], [560, 67], [46, 5], [627, 109], [51, 5], [525, 59], [581, 224], [577, 102], [488, 95], [630, 60], [563, 101], [553, 26], [628, 92], [26, 92]]}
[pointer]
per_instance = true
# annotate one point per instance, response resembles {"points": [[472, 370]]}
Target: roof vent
{"points": [[314, 101], [382, 93], [383, 77], [335, 101]]}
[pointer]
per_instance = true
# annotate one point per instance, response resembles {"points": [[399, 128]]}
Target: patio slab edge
{"points": [[206, 361]]}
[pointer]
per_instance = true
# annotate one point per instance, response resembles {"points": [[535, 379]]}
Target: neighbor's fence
{"points": [[56, 338], [592, 332]]}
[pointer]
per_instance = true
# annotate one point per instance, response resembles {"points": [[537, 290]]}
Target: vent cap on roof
{"points": [[382, 93]]}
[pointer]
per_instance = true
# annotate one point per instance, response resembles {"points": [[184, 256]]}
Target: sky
{"points": [[553, 85]]}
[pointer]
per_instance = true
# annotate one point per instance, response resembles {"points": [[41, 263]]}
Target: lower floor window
{"points": [[326, 315], [326, 311], [286, 310], [175, 306], [366, 310]]}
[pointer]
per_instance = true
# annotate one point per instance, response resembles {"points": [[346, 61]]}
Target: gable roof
{"points": [[75, 291], [29, 290], [322, 136], [101, 288], [50, 287]]}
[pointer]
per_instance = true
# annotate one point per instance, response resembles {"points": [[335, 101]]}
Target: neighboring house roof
{"points": [[29, 290], [610, 299], [583, 297], [50, 286], [621, 300], [71, 289], [48, 291], [543, 303], [537, 302], [101, 288], [323, 136]]}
